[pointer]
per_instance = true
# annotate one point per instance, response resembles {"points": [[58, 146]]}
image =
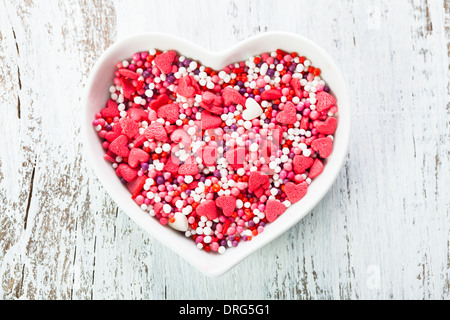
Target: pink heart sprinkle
{"points": [[129, 127], [120, 146], [258, 180], [294, 192], [157, 103], [324, 101], [164, 61], [271, 95], [227, 204], [274, 209], [288, 115], [210, 121], [328, 126], [156, 131], [208, 209], [324, 146], [208, 155], [170, 112], [316, 170], [126, 172], [231, 96], [111, 110], [189, 168], [302, 163], [137, 156]]}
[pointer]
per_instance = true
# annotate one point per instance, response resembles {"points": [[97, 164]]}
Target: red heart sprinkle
{"points": [[137, 114], [111, 110], [231, 96], [189, 168], [236, 157], [137, 156], [288, 115], [210, 121], [188, 87], [129, 127], [227, 204], [211, 102], [294, 192], [126, 172], [271, 95], [120, 146], [157, 103], [164, 61], [274, 208], [295, 84], [208, 155], [156, 131], [129, 74], [328, 126], [316, 170], [181, 136], [324, 146], [258, 180], [302, 163], [128, 89], [170, 112], [208, 209], [324, 101]]}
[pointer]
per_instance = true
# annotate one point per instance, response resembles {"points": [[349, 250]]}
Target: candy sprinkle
{"points": [[217, 155]]}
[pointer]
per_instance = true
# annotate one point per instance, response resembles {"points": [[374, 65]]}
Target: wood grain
{"points": [[382, 232]]}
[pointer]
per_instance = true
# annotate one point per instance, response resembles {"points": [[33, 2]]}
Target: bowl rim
{"points": [[217, 265]]}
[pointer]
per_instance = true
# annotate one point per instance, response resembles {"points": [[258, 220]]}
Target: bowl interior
{"points": [[97, 94]]}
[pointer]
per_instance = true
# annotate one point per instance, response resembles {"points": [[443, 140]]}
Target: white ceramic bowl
{"points": [[97, 94]]}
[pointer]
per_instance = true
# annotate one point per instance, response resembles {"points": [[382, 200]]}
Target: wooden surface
{"points": [[383, 231]]}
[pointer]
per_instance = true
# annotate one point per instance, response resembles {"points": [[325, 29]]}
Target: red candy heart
{"points": [[231, 96], [208, 155], [236, 157], [327, 127], [181, 136], [271, 95], [188, 87], [288, 115], [164, 61], [316, 170], [207, 209], [302, 163], [156, 131], [137, 114], [189, 168], [120, 147], [295, 84], [127, 173], [111, 110], [227, 204], [170, 112], [274, 209], [258, 183], [213, 103], [129, 127], [324, 146], [294, 192], [324, 101], [137, 156], [210, 121], [157, 103]]}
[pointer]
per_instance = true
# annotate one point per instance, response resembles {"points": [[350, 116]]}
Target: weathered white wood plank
{"points": [[382, 231]]}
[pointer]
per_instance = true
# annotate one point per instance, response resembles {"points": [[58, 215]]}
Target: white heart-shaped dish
{"points": [[213, 265]]}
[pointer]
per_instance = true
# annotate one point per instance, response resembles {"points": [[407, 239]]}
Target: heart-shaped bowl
{"points": [[97, 94]]}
